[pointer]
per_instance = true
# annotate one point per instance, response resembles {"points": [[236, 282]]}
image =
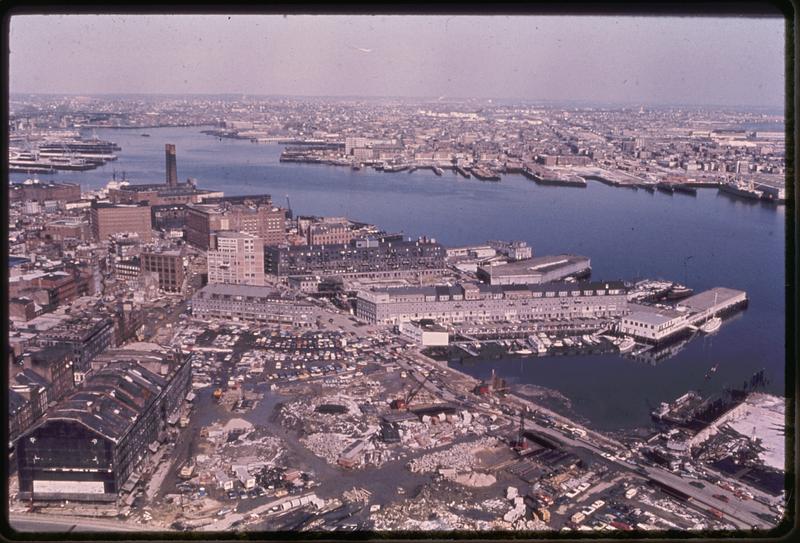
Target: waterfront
{"points": [[626, 233]]}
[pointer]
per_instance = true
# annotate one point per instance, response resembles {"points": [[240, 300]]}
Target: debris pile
{"points": [[460, 456]]}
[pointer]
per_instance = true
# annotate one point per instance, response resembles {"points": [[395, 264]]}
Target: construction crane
{"points": [[402, 403]]}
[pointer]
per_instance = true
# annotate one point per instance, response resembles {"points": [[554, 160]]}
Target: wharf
{"points": [[613, 179], [462, 171], [484, 175], [545, 176], [523, 330]]}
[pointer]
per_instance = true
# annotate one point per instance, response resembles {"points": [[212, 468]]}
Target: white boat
{"points": [[626, 344], [711, 325]]}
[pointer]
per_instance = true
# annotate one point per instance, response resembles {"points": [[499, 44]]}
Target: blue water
{"points": [[708, 240]]}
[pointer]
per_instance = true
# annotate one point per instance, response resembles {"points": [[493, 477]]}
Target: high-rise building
{"points": [[172, 165], [237, 258], [108, 219]]}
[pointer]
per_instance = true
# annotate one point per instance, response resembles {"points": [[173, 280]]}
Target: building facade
{"points": [[238, 259], [108, 219], [251, 214], [475, 302], [169, 265], [357, 258], [542, 269], [86, 336], [87, 446], [65, 192], [250, 304]]}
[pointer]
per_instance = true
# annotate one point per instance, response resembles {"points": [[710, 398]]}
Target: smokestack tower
{"points": [[172, 166]]}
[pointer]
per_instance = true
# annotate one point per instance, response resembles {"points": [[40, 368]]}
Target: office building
{"points": [[169, 265], [238, 259], [251, 214]]}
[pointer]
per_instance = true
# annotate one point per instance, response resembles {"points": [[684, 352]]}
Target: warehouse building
{"points": [[250, 304], [476, 302], [534, 271], [374, 258], [86, 336], [88, 445]]}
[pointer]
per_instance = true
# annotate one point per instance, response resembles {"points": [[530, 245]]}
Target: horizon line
{"points": [[641, 103]]}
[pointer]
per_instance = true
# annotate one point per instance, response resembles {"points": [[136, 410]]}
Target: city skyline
{"points": [[531, 58]]}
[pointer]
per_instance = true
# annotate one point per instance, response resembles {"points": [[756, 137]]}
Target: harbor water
{"points": [[706, 240]]}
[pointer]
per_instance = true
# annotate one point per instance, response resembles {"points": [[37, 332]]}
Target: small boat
{"points": [[147, 135], [711, 325], [626, 344], [677, 292], [712, 371]]}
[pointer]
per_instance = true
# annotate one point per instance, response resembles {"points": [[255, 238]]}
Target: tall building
{"points": [[251, 214], [237, 258], [172, 165], [169, 266], [108, 219]]}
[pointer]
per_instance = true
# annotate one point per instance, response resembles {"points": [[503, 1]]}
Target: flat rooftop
{"points": [[539, 264], [651, 315], [706, 300]]}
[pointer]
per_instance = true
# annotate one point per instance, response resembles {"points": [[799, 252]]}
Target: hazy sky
{"points": [[727, 61]]}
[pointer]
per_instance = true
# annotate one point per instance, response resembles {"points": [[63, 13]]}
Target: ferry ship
{"points": [[740, 189], [32, 162]]}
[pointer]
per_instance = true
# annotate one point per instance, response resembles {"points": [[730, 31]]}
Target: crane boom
{"points": [[416, 390]]}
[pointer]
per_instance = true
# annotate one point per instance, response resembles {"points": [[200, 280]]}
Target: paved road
{"points": [[741, 513], [28, 522]]}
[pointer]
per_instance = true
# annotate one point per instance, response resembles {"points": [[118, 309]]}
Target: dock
{"points": [[545, 176]]}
